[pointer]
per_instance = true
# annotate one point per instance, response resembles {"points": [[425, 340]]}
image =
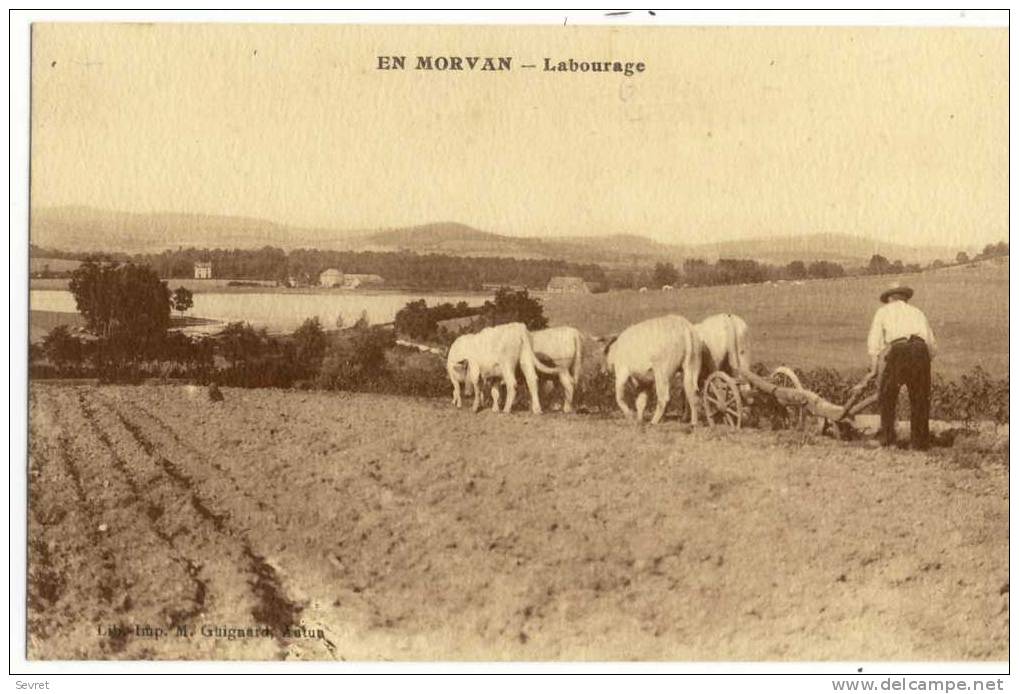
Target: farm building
{"points": [[351, 281], [203, 271], [568, 285], [494, 287], [330, 278]]}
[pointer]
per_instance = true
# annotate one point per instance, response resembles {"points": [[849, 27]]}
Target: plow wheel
{"points": [[722, 401], [784, 377]]}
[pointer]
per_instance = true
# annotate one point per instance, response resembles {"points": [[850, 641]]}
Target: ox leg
{"points": [[662, 393], [692, 397], [510, 379], [475, 377], [621, 378], [568, 386], [457, 401], [495, 397], [531, 377], [641, 404]]}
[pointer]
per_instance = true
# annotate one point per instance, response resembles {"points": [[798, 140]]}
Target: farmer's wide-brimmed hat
{"points": [[896, 289]]}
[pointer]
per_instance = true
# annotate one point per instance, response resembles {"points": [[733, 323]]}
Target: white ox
{"points": [[563, 348], [495, 352], [652, 351], [726, 344]]}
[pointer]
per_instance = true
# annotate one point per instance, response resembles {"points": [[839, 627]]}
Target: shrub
{"points": [[973, 397], [310, 344], [239, 342], [62, 348], [514, 307], [356, 360]]}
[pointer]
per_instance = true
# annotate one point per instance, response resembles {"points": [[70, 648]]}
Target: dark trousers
{"points": [[908, 363]]}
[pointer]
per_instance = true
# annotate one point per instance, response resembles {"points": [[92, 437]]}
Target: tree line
{"points": [[435, 271], [402, 269]]}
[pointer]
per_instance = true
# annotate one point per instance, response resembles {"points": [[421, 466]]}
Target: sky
{"points": [[892, 133]]}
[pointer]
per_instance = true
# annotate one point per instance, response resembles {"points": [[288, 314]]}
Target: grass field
{"points": [[52, 265], [824, 322]]}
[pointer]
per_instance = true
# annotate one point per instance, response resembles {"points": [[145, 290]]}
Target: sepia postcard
{"points": [[505, 342]]}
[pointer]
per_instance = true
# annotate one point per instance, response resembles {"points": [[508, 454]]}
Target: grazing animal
{"points": [[495, 352], [561, 347], [652, 351], [725, 341]]}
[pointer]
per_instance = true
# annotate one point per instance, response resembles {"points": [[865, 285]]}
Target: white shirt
{"points": [[896, 320]]}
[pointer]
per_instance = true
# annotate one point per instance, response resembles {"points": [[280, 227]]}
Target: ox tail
{"points": [[692, 355], [743, 344], [542, 367], [578, 351], [608, 345], [527, 352]]}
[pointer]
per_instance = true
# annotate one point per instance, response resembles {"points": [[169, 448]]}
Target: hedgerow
{"points": [[362, 359]]}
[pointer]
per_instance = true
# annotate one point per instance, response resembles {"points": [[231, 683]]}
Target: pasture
{"points": [[360, 527], [824, 322]]}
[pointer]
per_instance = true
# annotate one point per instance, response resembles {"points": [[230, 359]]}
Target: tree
{"points": [[796, 270], [310, 343], [878, 265], [62, 348], [992, 250], [665, 274], [514, 307], [961, 257], [240, 342], [126, 305], [358, 359], [182, 300], [824, 269]]}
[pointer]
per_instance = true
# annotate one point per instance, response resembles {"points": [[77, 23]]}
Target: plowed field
{"points": [[360, 527]]}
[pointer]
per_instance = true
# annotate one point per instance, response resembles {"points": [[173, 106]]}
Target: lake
{"points": [[280, 311]]}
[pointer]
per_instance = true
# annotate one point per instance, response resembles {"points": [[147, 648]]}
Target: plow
{"points": [[727, 400]]}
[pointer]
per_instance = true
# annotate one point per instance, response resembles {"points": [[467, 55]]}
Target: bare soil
{"points": [[348, 526]]}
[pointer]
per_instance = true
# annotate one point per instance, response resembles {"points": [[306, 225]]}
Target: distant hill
{"points": [[841, 248], [89, 229]]}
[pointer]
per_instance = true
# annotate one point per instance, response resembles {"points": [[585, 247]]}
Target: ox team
{"points": [[648, 355]]}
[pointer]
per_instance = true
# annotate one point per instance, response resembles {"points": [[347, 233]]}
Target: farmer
{"points": [[904, 332]]}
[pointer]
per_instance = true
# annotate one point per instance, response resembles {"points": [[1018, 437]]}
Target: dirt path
{"points": [[366, 527]]}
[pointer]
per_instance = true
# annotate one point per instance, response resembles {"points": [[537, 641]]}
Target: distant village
{"points": [[334, 278]]}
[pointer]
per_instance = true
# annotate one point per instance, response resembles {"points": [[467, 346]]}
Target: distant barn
{"points": [[352, 281], [494, 287], [203, 271], [331, 278], [348, 280], [568, 285]]}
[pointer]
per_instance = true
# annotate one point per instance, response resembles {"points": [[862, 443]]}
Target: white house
{"points": [[203, 271], [331, 278]]}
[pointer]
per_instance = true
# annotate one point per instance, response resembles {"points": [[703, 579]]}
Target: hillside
{"points": [[840, 248], [90, 229]]}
